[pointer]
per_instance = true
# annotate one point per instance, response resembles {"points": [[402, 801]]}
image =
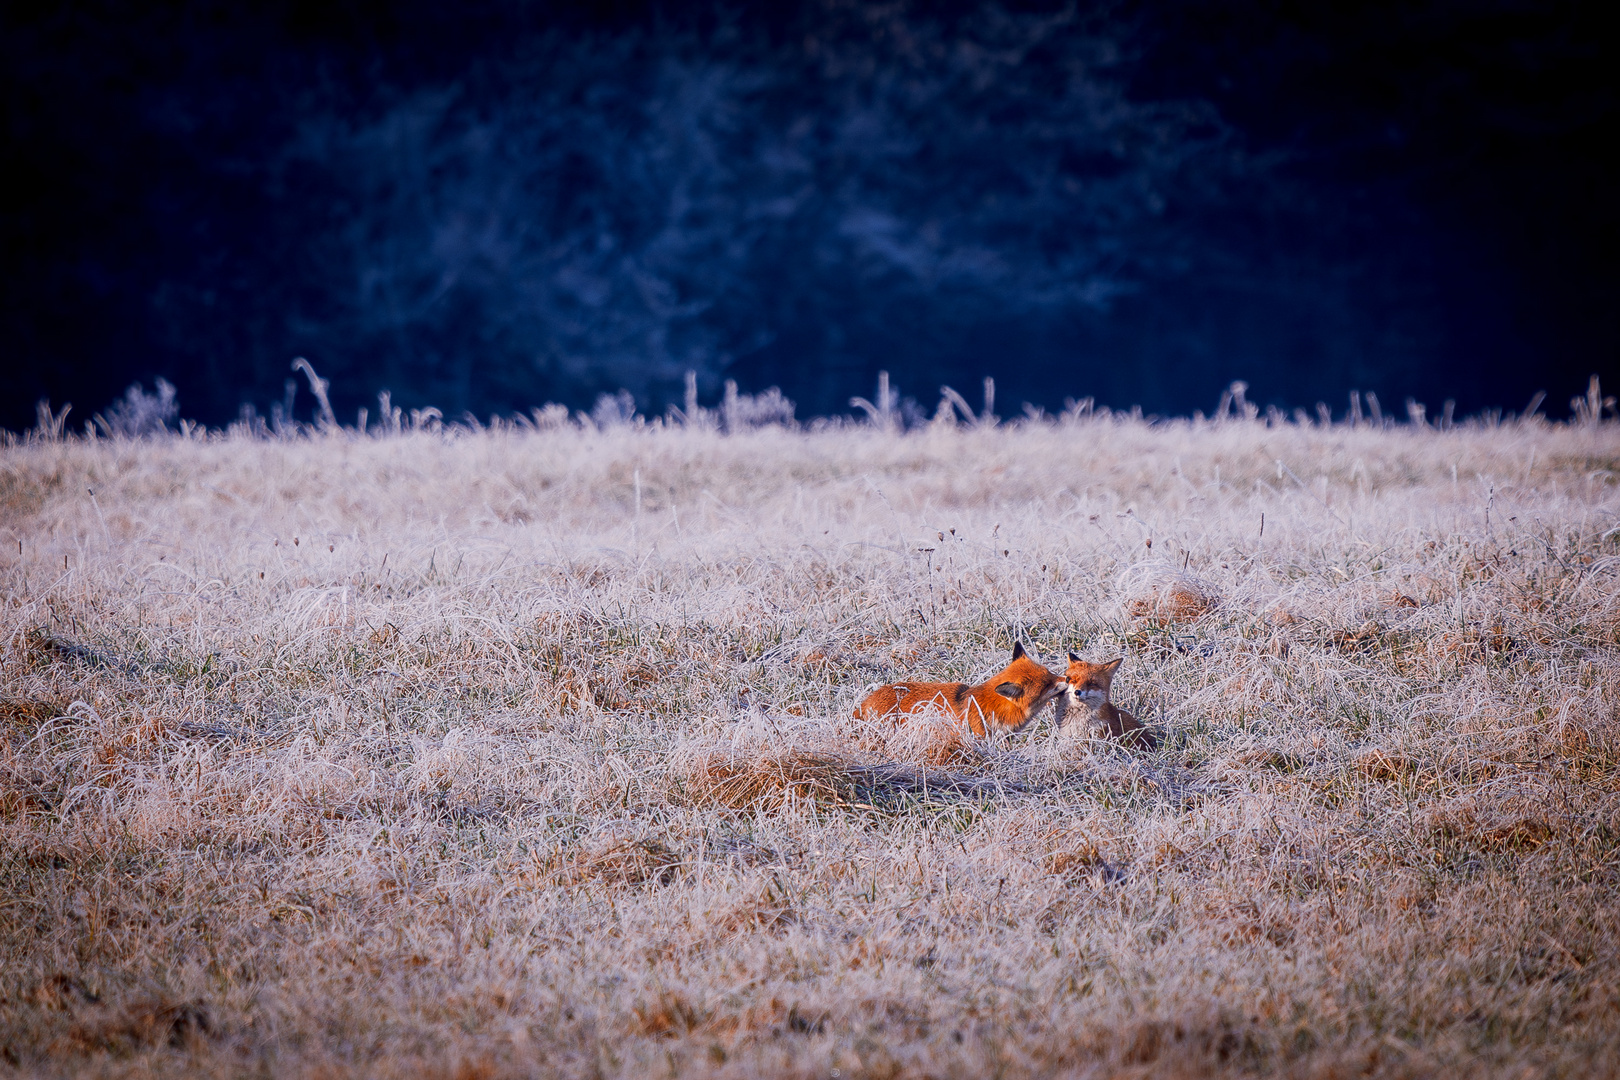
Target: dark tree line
{"points": [[487, 208]]}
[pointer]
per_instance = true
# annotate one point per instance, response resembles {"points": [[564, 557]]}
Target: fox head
{"points": [[1090, 682], [1025, 683]]}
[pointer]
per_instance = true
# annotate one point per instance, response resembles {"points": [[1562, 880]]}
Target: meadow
{"points": [[528, 750]]}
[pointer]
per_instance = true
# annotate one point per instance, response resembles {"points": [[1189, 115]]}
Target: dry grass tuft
{"points": [[928, 738], [762, 779], [627, 862], [1162, 597], [28, 713], [953, 749], [667, 1015], [1380, 764], [771, 781], [148, 1022], [1511, 826]]}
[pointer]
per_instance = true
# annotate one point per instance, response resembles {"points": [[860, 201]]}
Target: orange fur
{"points": [[1007, 701], [1088, 688]]}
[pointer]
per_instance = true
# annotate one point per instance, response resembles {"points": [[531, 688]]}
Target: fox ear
{"points": [[1010, 690], [1074, 656], [1113, 665], [1018, 650]]}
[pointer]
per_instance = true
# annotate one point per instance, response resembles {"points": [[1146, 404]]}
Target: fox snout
{"points": [[1017, 691]]}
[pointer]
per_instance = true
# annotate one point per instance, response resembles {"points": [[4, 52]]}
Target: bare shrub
{"points": [[139, 414], [743, 412], [614, 410]]}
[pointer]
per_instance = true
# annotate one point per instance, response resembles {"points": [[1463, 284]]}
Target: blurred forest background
{"points": [[487, 205]]}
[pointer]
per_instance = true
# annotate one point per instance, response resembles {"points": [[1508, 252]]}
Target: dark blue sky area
{"points": [[487, 206]]}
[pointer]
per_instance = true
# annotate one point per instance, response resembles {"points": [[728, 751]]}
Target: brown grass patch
{"points": [[1490, 828], [668, 1014], [146, 1022], [29, 712], [1075, 860], [1160, 596], [770, 781], [767, 908], [627, 862], [1172, 603], [1377, 764]]}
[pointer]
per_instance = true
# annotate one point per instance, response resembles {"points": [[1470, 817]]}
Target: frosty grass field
{"points": [[476, 753]]}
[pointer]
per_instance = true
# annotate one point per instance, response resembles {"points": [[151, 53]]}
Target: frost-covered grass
{"points": [[477, 754]]}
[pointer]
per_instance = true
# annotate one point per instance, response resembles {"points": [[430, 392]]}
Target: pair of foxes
{"points": [[1010, 699]]}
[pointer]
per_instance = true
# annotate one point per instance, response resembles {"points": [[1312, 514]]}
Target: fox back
{"points": [[1007, 701], [1088, 689]]}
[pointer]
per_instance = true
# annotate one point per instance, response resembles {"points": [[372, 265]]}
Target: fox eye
{"points": [[1010, 690]]}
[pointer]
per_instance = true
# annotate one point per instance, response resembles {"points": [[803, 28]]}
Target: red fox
{"points": [[1007, 701], [1087, 691]]}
